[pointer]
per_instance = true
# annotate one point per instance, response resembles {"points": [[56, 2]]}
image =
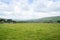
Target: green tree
{"points": [[9, 20]]}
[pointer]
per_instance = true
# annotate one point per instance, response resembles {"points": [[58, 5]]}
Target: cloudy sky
{"points": [[29, 9]]}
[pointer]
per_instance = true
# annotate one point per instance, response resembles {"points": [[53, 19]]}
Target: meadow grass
{"points": [[30, 31]]}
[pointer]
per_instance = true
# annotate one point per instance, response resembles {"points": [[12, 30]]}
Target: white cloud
{"points": [[21, 9]]}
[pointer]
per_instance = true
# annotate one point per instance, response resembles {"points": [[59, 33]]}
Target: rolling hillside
{"points": [[49, 19], [46, 20], [41, 20]]}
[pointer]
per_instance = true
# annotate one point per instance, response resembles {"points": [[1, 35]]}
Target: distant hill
{"points": [[55, 19], [49, 19], [46, 20]]}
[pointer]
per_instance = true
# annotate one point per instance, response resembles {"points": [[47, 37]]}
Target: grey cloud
{"points": [[54, 0], [42, 7]]}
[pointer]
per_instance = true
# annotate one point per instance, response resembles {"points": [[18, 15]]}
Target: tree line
{"points": [[7, 21]]}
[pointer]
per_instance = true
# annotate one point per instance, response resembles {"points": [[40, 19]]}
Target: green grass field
{"points": [[30, 31]]}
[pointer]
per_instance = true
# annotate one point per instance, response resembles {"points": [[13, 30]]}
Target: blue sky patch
{"points": [[30, 1], [6, 1]]}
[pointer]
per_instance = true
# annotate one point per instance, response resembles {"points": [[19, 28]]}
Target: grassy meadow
{"points": [[30, 31]]}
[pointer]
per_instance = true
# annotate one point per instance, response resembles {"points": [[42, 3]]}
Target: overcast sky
{"points": [[29, 9]]}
